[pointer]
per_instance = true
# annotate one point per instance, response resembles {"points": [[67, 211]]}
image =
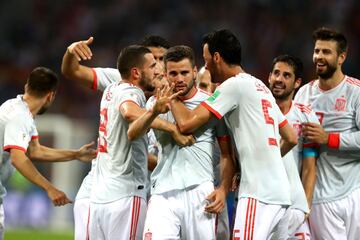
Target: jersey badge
{"points": [[340, 104]]}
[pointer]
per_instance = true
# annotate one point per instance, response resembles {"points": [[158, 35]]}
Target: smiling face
{"points": [[282, 82], [182, 74], [326, 58]]}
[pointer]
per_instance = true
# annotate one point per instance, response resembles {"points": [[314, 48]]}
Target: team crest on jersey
{"points": [[148, 235], [340, 104], [214, 96]]}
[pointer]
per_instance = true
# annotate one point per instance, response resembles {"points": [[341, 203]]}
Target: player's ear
{"points": [[216, 57], [195, 71], [297, 83], [269, 77], [135, 73]]}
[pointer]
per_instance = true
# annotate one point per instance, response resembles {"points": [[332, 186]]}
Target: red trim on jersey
{"points": [[218, 115], [283, 123], [353, 81], [224, 138], [132, 217], [88, 226], [207, 93], [334, 140], [253, 221], [250, 219], [303, 108], [8, 147], [246, 218], [137, 216], [34, 137], [128, 101], [95, 80]]}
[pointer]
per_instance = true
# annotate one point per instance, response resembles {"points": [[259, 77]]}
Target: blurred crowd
{"points": [[37, 32]]}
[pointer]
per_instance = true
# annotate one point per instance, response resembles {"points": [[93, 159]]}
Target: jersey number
{"points": [[102, 131], [268, 119]]}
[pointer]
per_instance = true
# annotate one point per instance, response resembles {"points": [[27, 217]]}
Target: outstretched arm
{"points": [[189, 120], [70, 66], [41, 153], [23, 164]]}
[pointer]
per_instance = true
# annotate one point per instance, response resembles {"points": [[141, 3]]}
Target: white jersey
{"points": [[103, 77], [253, 117], [296, 116], [338, 110], [181, 167], [17, 129], [121, 166]]}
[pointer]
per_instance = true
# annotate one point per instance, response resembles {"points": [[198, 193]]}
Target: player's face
{"points": [[326, 58], [204, 81], [282, 80], [148, 73], [210, 64], [159, 53], [182, 74]]}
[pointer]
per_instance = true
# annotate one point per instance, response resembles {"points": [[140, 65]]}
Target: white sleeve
{"points": [[103, 77], [132, 95], [18, 134], [224, 99]]}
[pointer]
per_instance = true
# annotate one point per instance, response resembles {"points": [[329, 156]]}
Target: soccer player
{"points": [[203, 79], [182, 182], [254, 119], [20, 139], [118, 194], [335, 97], [284, 78], [99, 79]]}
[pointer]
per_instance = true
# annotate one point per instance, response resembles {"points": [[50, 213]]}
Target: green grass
{"points": [[37, 235]]}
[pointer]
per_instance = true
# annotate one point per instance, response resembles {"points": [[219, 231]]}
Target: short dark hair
{"points": [[129, 57], [292, 61], [179, 53], [155, 41], [41, 81], [328, 34], [226, 44]]}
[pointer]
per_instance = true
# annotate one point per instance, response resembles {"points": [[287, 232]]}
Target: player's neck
{"points": [[231, 71], [332, 82], [34, 104], [284, 104]]}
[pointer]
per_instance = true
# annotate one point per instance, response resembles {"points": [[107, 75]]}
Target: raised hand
{"points": [[163, 98], [86, 153], [81, 49]]}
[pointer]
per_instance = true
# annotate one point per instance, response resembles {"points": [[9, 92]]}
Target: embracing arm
{"points": [[23, 164], [41, 153], [141, 120], [189, 120]]}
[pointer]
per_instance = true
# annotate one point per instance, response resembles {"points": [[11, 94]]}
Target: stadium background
{"points": [[37, 32]]}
